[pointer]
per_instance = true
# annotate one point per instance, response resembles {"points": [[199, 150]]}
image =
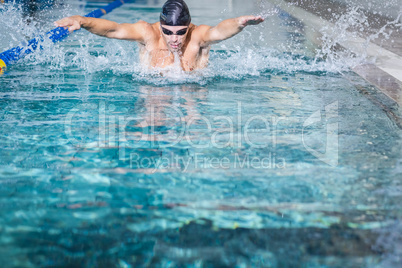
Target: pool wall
{"points": [[386, 8]]}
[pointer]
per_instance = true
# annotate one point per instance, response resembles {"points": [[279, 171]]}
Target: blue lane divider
{"points": [[12, 55]]}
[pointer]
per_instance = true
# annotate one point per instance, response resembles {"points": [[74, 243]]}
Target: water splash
{"points": [[331, 39], [251, 53], [14, 27], [355, 24], [267, 10]]}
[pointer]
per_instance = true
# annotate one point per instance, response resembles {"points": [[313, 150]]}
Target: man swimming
{"points": [[174, 35]]}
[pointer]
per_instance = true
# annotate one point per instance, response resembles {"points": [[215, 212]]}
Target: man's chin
{"points": [[174, 48]]}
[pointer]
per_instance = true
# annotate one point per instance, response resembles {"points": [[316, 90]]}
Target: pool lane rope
{"points": [[12, 55]]}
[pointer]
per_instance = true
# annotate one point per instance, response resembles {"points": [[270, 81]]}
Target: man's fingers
{"points": [[69, 24], [64, 22], [61, 23], [73, 28], [254, 20], [258, 19]]}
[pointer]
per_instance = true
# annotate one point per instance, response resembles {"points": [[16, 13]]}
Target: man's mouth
{"points": [[174, 45]]}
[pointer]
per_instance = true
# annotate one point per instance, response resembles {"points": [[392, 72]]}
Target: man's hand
{"points": [[250, 20], [72, 23]]}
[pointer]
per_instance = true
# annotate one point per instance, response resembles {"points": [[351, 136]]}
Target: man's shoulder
{"points": [[145, 28], [141, 26], [201, 28], [198, 31], [144, 24]]}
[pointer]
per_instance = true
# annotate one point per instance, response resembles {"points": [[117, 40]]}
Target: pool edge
{"points": [[385, 73]]}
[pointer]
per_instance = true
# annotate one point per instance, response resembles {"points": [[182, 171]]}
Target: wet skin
{"points": [[159, 48]]}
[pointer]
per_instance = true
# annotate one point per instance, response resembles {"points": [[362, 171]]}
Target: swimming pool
{"points": [[270, 157]]}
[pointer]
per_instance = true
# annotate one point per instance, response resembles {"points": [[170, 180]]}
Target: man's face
{"points": [[174, 36]]}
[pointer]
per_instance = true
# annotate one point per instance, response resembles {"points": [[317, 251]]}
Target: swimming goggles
{"points": [[179, 32]]}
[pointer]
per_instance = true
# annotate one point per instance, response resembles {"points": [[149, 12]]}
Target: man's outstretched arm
{"points": [[106, 28], [226, 29]]}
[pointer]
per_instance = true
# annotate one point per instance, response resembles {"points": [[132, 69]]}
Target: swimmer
{"points": [[173, 35]]}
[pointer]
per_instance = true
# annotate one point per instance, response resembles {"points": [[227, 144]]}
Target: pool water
{"points": [[270, 157]]}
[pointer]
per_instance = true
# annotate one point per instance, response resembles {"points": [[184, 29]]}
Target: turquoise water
{"points": [[269, 157]]}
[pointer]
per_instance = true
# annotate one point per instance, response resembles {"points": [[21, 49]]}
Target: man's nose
{"points": [[175, 37]]}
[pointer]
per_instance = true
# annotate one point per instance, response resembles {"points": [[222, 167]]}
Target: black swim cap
{"points": [[175, 13]]}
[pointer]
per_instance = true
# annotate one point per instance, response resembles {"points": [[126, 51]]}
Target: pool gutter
{"points": [[385, 72]]}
